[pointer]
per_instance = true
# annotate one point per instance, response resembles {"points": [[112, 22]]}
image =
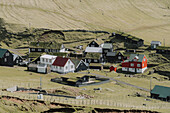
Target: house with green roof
{"points": [[96, 43], [6, 57], [79, 64], [115, 57], [161, 92], [46, 47]]}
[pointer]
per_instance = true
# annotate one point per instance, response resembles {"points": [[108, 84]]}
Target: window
{"points": [[132, 64], [144, 59], [50, 60], [7, 54], [46, 60], [33, 49], [60, 68], [95, 60], [68, 62], [66, 67], [71, 66], [143, 65], [119, 57], [5, 60], [138, 65], [43, 59], [39, 49]]}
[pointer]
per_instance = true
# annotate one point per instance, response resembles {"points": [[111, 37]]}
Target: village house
{"points": [[107, 47], [6, 57], [47, 59], [137, 63], [130, 41], [47, 47], [93, 58], [161, 92], [115, 57], [79, 64], [96, 43], [63, 65], [155, 44], [17, 59], [163, 50]]}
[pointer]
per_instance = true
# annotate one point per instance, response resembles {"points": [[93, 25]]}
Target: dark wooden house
{"points": [[130, 41], [115, 57], [93, 58], [6, 58], [161, 92], [47, 47], [163, 50], [80, 65], [17, 59], [96, 43]]}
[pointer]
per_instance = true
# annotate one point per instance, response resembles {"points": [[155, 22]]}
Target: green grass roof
{"points": [[93, 55], [163, 48], [47, 45], [35, 54], [2, 52]]}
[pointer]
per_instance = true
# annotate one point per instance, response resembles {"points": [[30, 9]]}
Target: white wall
{"points": [[41, 70], [47, 62], [64, 69]]}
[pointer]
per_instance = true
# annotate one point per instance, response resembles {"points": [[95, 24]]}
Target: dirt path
{"points": [[141, 88]]}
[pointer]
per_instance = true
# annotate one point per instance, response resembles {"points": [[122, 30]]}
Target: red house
{"points": [[137, 63], [113, 68]]}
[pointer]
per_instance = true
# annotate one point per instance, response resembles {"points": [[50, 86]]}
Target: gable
{"points": [[94, 43], [81, 63]]}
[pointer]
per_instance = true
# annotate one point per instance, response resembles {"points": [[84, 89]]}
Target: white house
{"points": [[154, 44], [47, 59], [63, 65]]}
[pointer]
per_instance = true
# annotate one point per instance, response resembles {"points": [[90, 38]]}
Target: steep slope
{"points": [[147, 19]]}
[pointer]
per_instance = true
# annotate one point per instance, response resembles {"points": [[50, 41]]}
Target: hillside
{"points": [[147, 19]]}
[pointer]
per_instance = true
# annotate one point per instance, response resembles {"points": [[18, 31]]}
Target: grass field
{"points": [[145, 19], [112, 95]]}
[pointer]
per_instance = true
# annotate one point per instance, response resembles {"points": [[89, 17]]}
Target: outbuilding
{"points": [[155, 44], [161, 92]]}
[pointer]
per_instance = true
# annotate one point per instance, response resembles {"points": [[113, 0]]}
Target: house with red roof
{"points": [[137, 63], [63, 65]]}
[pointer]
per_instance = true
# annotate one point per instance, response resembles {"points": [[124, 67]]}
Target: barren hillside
{"points": [[147, 19]]}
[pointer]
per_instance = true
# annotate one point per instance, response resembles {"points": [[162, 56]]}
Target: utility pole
{"points": [[40, 82], [150, 84], [164, 42]]}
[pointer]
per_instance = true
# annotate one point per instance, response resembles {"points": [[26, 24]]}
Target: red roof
{"points": [[60, 61]]}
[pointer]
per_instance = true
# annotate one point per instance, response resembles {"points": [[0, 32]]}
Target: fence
{"points": [[97, 101]]}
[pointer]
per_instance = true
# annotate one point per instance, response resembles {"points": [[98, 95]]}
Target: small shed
{"points": [[32, 67], [113, 68]]}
